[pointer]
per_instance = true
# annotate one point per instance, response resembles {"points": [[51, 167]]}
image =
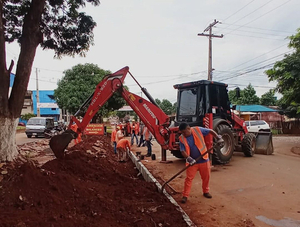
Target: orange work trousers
{"points": [[204, 170]]}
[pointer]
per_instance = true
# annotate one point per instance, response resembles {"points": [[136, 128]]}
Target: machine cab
{"points": [[195, 99]]}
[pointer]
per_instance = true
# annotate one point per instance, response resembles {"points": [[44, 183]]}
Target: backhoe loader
{"points": [[200, 103]]}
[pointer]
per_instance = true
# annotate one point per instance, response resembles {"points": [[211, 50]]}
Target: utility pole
{"points": [[210, 36], [38, 114]]}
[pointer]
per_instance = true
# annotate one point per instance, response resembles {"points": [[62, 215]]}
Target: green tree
{"points": [[268, 98], [78, 84], [287, 74], [166, 106], [234, 99], [54, 24], [174, 109], [249, 96], [27, 116], [158, 102]]}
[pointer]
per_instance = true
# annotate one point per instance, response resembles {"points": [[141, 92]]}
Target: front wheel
{"points": [[29, 136], [248, 144], [224, 154]]}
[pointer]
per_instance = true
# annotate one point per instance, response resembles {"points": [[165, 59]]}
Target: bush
{"points": [[27, 116]]}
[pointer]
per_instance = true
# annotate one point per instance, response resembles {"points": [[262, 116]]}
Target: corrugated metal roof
{"points": [[255, 108]]}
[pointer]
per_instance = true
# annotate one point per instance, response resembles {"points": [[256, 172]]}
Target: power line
{"points": [[263, 29], [259, 56], [250, 71], [261, 33], [259, 37], [261, 86], [249, 13], [260, 16], [238, 10], [258, 63]]}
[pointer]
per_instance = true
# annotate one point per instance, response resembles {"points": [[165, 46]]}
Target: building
{"points": [[47, 105], [28, 105]]}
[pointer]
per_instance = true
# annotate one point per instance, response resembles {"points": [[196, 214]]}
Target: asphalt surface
{"points": [[262, 190]]}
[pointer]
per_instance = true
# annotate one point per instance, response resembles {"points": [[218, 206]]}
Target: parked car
{"points": [[256, 126], [38, 126]]}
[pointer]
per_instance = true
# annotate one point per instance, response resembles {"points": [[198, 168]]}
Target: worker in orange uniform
{"points": [[74, 127], [134, 133], [119, 134], [192, 145], [148, 137], [113, 138], [123, 147]]}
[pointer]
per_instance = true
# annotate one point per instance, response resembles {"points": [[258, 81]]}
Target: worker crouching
{"points": [[123, 148], [192, 146]]}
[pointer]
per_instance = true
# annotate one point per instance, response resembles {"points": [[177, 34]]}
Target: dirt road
{"points": [[264, 190], [21, 138]]}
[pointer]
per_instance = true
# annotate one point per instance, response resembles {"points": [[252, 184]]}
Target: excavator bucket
{"points": [[264, 143], [59, 143]]}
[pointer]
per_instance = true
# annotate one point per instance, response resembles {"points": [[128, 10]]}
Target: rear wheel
{"points": [[177, 154], [224, 154], [248, 144]]}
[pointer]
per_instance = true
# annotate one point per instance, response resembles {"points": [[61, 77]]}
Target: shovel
{"points": [[184, 169]]}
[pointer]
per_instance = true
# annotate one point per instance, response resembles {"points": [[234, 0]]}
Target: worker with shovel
{"points": [[123, 147], [192, 145]]}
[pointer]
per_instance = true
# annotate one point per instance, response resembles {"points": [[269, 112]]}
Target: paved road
{"points": [[262, 190], [21, 138]]}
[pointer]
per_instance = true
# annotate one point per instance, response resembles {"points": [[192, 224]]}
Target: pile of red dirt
{"points": [[84, 189]]}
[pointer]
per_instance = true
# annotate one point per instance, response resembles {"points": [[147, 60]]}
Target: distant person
{"points": [[113, 138], [141, 132], [123, 148], [148, 137], [192, 145], [134, 133], [119, 134], [128, 128]]}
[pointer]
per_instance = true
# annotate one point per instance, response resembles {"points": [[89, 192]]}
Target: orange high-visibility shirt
{"points": [[113, 136], [146, 133], [124, 143], [199, 142]]}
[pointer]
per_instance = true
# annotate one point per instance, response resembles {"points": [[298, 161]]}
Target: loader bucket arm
{"points": [[152, 116], [104, 90]]}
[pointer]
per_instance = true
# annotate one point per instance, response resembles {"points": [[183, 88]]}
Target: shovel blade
{"points": [[59, 143]]}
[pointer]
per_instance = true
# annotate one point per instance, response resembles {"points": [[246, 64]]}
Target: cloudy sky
{"points": [[158, 40]]}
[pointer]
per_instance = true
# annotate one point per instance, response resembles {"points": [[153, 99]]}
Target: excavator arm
{"points": [[153, 117]]}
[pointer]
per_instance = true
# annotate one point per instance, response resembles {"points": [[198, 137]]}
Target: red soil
{"points": [[83, 190]]}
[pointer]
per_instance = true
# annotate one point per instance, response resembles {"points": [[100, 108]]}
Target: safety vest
{"points": [[199, 142], [113, 136], [146, 133]]}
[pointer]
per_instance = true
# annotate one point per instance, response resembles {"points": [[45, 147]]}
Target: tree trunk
{"points": [[8, 148]]}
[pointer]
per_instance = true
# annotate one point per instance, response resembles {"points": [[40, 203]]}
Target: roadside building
{"points": [[47, 105]]}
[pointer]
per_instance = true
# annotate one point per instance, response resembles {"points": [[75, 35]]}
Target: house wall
{"points": [[45, 96]]}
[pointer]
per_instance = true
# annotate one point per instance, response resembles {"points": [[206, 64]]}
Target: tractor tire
{"points": [[177, 153], [248, 144], [224, 154]]}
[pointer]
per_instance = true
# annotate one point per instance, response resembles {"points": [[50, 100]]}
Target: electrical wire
{"points": [[260, 16], [249, 14], [238, 10], [257, 28]]}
